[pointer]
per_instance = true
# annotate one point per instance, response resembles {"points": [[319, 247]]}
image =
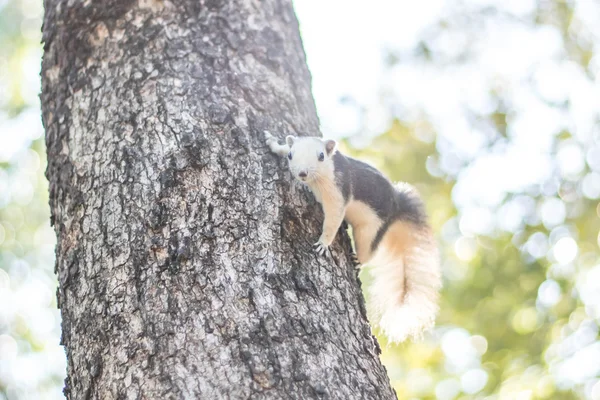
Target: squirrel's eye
{"points": [[290, 155], [321, 156]]}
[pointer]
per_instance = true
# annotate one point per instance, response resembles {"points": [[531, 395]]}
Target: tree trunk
{"points": [[184, 252]]}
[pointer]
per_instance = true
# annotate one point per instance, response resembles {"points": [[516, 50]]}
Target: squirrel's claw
{"points": [[269, 138], [320, 248], [271, 142], [355, 261]]}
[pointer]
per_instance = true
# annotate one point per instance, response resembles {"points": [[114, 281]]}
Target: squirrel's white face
{"points": [[310, 158]]}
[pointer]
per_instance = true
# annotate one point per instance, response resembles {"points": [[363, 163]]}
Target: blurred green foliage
{"points": [[521, 304], [521, 307], [32, 364], [489, 305]]}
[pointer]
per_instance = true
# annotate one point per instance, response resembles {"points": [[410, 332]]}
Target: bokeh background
{"points": [[490, 107]]}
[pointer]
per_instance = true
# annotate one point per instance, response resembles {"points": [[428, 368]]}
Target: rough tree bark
{"points": [[184, 254]]}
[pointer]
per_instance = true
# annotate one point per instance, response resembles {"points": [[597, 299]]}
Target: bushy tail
{"points": [[404, 294]]}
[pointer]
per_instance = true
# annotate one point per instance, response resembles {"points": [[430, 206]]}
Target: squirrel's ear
{"points": [[330, 146], [289, 140]]}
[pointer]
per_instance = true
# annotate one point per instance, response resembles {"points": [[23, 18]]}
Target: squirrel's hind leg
{"points": [[363, 239]]}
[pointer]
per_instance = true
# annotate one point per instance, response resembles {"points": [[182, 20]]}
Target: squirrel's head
{"points": [[310, 158]]}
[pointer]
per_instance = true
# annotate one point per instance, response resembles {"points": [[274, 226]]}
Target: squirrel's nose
{"points": [[302, 174]]}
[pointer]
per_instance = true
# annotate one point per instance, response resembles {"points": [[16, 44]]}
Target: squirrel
{"points": [[389, 227]]}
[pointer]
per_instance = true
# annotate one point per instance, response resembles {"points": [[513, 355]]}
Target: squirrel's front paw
{"points": [[271, 141], [269, 138], [320, 248]]}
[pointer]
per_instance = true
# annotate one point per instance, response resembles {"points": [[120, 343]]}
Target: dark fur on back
{"points": [[364, 183]]}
